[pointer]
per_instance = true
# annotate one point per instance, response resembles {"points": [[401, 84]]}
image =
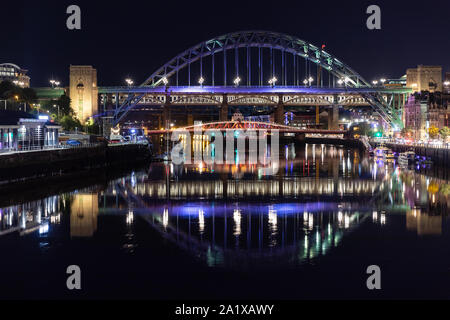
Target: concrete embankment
{"points": [[21, 165]]}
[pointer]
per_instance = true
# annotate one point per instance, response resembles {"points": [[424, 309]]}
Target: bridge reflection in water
{"points": [[248, 219]]}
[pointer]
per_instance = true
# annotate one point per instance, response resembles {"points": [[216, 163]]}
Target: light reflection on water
{"points": [[239, 216]]}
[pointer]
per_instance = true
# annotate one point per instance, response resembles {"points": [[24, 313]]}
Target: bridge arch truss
{"points": [[240, 50]]}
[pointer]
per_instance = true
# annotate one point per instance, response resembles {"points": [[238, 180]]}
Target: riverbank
{"points": [[349, 143], [24, 166], [439, 156]]}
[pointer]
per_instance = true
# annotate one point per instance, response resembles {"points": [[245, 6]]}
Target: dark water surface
{"points": [[234, 232]]}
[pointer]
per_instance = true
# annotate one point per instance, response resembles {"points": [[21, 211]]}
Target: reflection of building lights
{"points": [[340, 217], [55, 219], [237, 222], [273, 220], [346, 221], [383, 218], [165, 218], [130, 217], [201, 221], [375, 216], [311, 221], [43, 229]]}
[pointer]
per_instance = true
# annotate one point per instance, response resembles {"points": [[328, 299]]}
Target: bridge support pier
{"points": [[166, 116], [223, 112], [190, 120], [279, 113], [333, 118]]}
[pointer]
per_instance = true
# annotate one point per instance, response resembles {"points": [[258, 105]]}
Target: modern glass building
{"points": [[23, 131]]}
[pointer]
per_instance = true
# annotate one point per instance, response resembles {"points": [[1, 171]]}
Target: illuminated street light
{"points": [[237, 80], [165, 81], [383, 81], [446, 83], [272, 81], [375, 82], [201, 80], [129, 82], [56, 83], [305, 82]]}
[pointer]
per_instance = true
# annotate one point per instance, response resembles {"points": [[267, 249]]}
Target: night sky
{"points": [[136, 37]]}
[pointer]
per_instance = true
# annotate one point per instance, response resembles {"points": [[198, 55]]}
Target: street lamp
{"points": [[129, 82], [305, 82], [57, 83], [382, 81], [310, 80], [375, 82], [236, 81], [201, 80], [52, 83], [272, 81], [165, 81]]}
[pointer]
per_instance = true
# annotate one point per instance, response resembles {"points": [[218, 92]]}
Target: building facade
{"points": [[438, 110], [415, 115], [425, 110], [83, 91], [23, 131], [15, 74], [424, 78]]}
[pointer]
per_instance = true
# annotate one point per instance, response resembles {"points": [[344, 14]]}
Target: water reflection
{"points": [[227, 219], [83, 214]]}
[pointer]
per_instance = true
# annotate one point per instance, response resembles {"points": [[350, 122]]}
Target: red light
{"points": [[323, 46]]}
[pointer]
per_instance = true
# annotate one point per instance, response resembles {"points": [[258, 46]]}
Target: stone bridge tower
{"points": [[83, 91]]}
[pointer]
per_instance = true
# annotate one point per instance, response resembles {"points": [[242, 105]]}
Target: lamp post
{"points": [[201, 80], [129, 82], [236, 81], [272, 81]]}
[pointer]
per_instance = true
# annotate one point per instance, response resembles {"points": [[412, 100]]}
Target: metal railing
{"points": [[47, 148], [414, 144]]}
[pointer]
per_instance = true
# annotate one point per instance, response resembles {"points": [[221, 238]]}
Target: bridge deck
{"points": [[252, 90]]}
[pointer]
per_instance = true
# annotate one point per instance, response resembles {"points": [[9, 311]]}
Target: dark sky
{"points": [[133, 38]]}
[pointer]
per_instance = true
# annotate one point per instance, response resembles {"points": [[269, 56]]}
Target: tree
{"points": [[60, 107], [406, 132], [10, 91], [445, 133], [69, 123], [433, 132]]}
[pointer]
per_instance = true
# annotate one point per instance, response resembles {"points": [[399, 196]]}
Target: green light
{"points": [[378, 134]]}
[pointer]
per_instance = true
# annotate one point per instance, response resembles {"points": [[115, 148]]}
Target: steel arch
{"points": [[262, 39]]}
